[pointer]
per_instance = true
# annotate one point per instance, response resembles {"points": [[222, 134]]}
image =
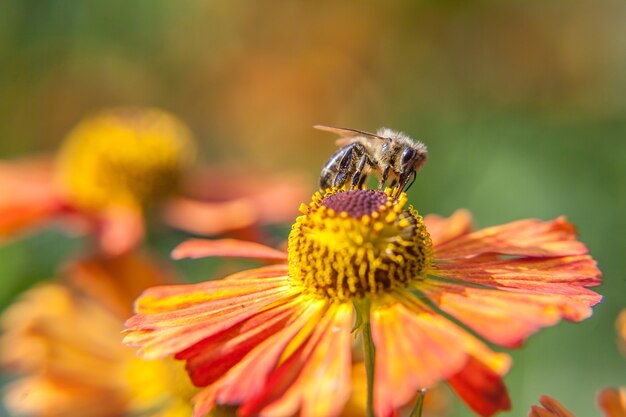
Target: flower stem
{"points": [[419, 404], [369, 350]]}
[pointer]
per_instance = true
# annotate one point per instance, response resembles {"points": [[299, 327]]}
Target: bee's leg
{"points": [[383, 178], [334, 166], [326, 179], [358, 178], [362, 182], [345, 164]]}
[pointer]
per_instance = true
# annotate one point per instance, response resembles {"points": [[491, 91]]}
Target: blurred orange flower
{"points": [[277, 340], [611, 401], [620, 324], [549, 408], [63, 340], [115, 164], [234, 199]]}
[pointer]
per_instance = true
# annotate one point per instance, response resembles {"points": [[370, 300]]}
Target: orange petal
{"points": [[273, 197], [415, 348], [315, 380], [29, 179], [481, 388], [620, 325], [201, 248], [444, 229], [177, 317], [40, 396], [209, 218], [248, 378], [209, 359], [560, 275], [169, 298], [504, 318], [523, 238], [551, 408], [18, 217], [29, 197], [612, 401], [119, 230], [269, 271], [117, 281]]}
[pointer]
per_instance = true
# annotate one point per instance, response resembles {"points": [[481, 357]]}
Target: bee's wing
{"points": [[347, 134]]}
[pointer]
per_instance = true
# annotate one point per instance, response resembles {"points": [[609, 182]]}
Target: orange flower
{"points": [[620, 324], [63, 340], [115, 164], [277, 340], [611, 401], [549, 408]]}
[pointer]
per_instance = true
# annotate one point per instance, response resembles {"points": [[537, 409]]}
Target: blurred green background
{"points": [[522, 105]]}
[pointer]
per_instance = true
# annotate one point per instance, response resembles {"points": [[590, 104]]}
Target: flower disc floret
{"points": [[124, 156], [355, 243]]}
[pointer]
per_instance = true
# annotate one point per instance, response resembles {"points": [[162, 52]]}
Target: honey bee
{"points": [[391, 155]]}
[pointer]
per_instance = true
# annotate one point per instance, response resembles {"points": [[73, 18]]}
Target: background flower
{"points": [[62, 341]]}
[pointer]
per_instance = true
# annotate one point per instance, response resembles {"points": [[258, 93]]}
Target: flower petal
{"points": [[210, 218], [504, 318], [174, 318], [273, 197], [119, 229], [529, 237], [117, 281], [201, 248], [415, 348], [315, 380], [29, 197], [481, 388], [612, 401], [249, 376], [620, 325], [247, 380], [445, 229], [565, 275], [37, 396], [550, 408], [209, 359], [17, 217]]}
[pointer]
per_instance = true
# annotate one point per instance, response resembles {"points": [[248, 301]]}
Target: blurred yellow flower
{"points": [[124, 157], [63, 341], [119, 161], [108, 169]]}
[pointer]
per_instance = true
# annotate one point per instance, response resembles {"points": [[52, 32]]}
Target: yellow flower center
{"points": [[357, 243], [124, 156]]}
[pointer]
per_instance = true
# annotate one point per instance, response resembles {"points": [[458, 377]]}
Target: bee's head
{"points": [[413, 158]]}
